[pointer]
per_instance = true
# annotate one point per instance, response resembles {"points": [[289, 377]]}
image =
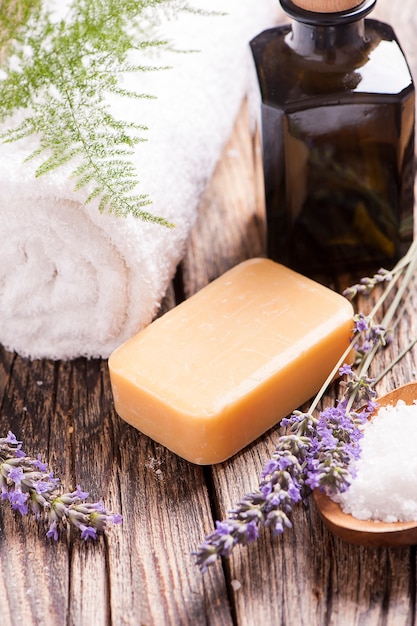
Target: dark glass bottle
{"points": [[338, 110]]}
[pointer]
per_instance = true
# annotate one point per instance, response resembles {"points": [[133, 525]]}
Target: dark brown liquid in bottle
{"points": [[338, 142]]}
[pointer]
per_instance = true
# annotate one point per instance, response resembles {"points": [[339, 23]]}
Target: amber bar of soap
{"points": [[221, 368]]}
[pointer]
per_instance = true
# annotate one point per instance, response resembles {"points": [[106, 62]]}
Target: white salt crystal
{"points": [[385, 486]]}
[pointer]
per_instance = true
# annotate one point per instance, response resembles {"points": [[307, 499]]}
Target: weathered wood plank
{"points": [[158, 525], [144, 570], [166, 506]]}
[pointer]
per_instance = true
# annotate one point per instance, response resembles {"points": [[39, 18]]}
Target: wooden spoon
{"points": [[370, 532]]}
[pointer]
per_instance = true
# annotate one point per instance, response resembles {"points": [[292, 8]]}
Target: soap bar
{"points": [[221, 368]]}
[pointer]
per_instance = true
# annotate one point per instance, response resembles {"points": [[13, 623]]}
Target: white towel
{"points": [[75, 282]]}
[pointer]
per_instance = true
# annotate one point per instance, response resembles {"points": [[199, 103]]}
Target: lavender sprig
{"points": [[370, 335], [367, 284], [29, 486], [318, 451]]}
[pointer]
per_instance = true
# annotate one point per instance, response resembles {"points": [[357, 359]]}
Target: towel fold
{"points": [[75, 282]]}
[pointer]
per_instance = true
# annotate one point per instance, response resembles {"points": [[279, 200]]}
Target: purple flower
{"points": [[98, 506], [270, 467], [294, 492], [345, 369], [266, 488], [280, 489], [16, 475], [371, 407], [42, 467], [224, 528], [284, 462], [361, 323], [11, 438], [88, 532], [42, 486], [252, 531], [28, 485], [278, 521], [80, 494], [367, 284], [53, 531], [313, 480], [18, 501]]}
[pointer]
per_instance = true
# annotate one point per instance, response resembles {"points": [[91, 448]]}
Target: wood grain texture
{"points": [[143, 573]]}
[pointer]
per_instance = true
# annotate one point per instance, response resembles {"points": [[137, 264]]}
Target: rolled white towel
{"points": [[75, 282]]}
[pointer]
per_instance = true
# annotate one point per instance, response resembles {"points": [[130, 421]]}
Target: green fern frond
{"points": [[59, 73]]}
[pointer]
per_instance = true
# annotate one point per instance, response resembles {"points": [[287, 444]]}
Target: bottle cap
{"points": [[327, 6]]}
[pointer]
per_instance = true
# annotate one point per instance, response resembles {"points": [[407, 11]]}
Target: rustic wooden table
{"points": [[143, 573]]}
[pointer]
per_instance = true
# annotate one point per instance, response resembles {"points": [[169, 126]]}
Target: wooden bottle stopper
{"points": [[327, 6]]}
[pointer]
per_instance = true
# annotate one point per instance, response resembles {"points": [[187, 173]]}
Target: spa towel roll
{"points": [[75, 282]]}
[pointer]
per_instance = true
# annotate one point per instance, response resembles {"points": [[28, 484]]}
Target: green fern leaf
{"points": [[60, 74]]}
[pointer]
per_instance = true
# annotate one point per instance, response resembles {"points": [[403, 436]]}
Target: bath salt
{"points": [[385, 485]]}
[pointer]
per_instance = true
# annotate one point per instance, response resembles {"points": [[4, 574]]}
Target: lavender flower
{"points": [[367, 284], [315, 453], [29, 486], [369, 335], [279, 489]]}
